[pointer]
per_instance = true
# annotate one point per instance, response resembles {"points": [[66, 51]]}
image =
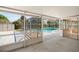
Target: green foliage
{"points": [[3, 19], [19, 23], [49, 23], [53, 23]]}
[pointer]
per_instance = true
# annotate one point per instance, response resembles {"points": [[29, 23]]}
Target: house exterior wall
{"points": [[6, 27]]}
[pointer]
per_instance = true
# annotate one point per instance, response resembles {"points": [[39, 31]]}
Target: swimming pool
{"points": [[46, 29]]}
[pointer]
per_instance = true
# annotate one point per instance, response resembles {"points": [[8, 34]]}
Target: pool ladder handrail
{"points": [[26, 36]]}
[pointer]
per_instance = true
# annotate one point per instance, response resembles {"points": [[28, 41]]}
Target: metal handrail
{"points": [[28, 35], [20, 39]]}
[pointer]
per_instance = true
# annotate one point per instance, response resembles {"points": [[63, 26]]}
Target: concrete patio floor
{"points": [[53, 43]]}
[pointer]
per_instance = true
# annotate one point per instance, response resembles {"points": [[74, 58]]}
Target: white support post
{"points": [[42, 26], [77, 28], [59, 24], [14, 33], [24, 30], [30, 27]]}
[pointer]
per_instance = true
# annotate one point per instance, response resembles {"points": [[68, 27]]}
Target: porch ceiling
{"points": [[56, 11]]}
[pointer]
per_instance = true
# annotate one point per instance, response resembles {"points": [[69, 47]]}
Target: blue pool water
{"points": [[49, 29], [46, 29]]}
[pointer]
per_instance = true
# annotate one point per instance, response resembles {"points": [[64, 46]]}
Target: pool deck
{"points": [[53, 43]]}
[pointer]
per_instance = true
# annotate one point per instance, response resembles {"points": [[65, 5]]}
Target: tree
{"points": [[57, 24], [3, 19], [49, 23], [19, 23]]}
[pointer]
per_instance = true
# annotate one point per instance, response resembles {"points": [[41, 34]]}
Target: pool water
{"points": [[46, 29]]}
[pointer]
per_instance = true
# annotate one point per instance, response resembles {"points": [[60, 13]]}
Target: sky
{"points": [[12, 17]]}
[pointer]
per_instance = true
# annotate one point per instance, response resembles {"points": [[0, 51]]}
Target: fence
{"points": [[6, 27]]}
